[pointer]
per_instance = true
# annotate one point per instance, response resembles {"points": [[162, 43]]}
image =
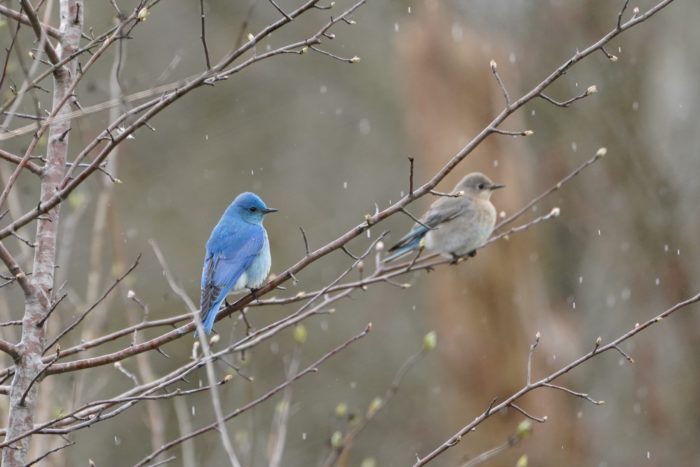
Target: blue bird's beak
{"points": [[269, 210]]}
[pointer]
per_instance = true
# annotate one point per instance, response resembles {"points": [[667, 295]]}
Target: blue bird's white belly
{"points": [[463, 234], [257, 272]]}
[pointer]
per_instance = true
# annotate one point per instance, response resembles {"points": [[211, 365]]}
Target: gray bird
{"points": [[454, 226]]}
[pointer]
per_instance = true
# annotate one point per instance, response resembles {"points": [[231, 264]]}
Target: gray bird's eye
{"points": [[481, 186]]}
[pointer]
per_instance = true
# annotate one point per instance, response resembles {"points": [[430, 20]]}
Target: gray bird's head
{"points": [[249, 207], [477, 185]]}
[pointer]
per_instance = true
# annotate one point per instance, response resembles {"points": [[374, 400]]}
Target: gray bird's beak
{"points": [[496, 186], [269, 210]]}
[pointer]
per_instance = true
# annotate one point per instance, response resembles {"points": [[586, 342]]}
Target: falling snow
{"points": [[457, 32], [625, 294], [364, 126]]}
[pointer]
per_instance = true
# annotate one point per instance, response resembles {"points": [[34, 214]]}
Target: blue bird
{"points": [[455, 225], [237, 255]]}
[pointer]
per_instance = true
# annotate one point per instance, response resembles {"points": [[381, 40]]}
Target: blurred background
{"points": [[324, 141]]}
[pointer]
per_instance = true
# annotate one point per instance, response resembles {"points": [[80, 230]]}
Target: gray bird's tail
{"points": [[409, 242]]}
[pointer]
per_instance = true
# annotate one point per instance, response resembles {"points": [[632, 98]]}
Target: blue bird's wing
{"points": [[441, 211], [224, 264]]}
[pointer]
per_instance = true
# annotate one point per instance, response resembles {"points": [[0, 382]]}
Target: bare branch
{"points": [[410, 176], [36, 377], [568, 102], [512, 133], [48, 453], [529, 357], [203, 34], [313, 368], [457, 437], [16, 271], [31, 166], [277, 7], [416, 220], [39, 31], [15, 15], [80, 318], [9, 349], [599, 154], [530, 416], [374, 408], [574, 393], [494, 70], [622, 12], [306, 241]]}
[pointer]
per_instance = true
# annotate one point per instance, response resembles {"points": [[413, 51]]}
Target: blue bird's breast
{"points": [[259, 268]]}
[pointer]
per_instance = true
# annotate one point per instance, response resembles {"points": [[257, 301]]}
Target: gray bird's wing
{"points": [[445, 210], [441, 211]]}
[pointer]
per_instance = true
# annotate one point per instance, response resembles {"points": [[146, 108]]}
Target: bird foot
{"points": [[253, 292], [456, 259]]}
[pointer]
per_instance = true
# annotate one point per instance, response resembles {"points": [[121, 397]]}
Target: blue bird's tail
{"points": [[208, 318], [409, 242]]}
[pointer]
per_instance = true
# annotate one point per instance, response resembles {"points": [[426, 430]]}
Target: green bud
{"points": [[300, 334], [337, 440], [341, 409], [374, 406], [430, 341], [524, 428]]}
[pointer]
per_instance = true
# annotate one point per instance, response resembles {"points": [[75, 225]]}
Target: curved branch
{"points": [[545, 382]]}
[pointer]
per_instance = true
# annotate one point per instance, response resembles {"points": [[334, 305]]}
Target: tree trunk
{"points": [[24, 387]]}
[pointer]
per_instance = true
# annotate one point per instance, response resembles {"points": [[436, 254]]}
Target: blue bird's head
{"points": [[249, 207]]}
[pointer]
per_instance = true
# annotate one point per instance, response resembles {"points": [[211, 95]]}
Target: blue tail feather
{"points": [[208, 317], [405, 249]]}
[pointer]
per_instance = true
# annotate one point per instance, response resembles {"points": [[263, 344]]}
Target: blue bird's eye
{"points": [[253, 209]]}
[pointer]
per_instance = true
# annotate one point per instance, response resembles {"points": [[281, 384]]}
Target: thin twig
{"points": [[203, 34], [529, 357], [494, 70], [307, 252], [277, 7], [80, 318], [48, 453], [313, 368], [458, 436], [528, 415], [622, 12], [416, 220], [599, 154], [512, 133], [410, 177], [37, 376], [582, 395]]}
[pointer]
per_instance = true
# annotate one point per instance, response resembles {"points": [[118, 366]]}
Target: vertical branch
{"points": [[23, 393], [104, 199], [204, 33]]}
